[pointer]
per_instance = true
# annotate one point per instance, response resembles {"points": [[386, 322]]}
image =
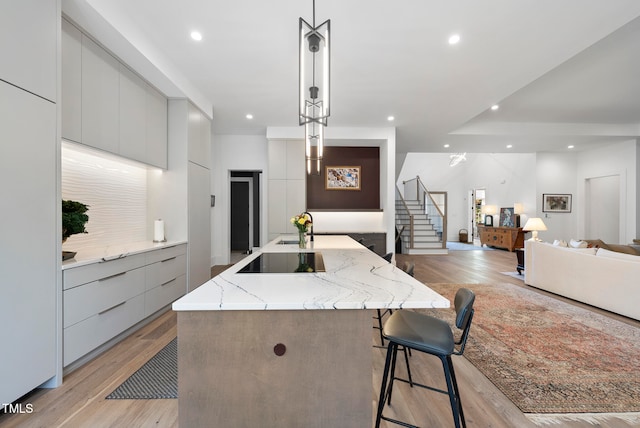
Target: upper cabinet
{"points": [[156, 128], [107, 106], [133, 115], [100, 97], [71, 96], [199, 137], [28, 42]]}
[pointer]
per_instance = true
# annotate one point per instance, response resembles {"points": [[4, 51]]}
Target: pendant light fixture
{"points": [[313, 74]]}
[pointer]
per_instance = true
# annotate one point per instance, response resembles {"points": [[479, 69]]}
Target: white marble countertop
{"points": [[355, 278], [111, 252]]}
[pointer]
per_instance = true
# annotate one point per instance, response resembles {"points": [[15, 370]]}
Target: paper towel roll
{"points": [[158, 231]]}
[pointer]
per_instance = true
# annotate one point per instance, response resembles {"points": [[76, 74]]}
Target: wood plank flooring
{"points": [[80, 401]]}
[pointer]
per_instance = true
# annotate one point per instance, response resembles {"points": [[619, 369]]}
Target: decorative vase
{"points": [[302, 242]]}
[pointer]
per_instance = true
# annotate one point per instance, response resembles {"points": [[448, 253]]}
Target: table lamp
{"points": [[489, 211], [534, 224]]}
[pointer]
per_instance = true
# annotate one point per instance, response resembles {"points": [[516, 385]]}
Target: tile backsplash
{"points": [[115, 190]]}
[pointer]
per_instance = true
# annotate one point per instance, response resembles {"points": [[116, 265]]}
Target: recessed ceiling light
{"points": [[570, 147], [509, 146], [446, 146], [196, 35], [249, 116], [454, 39], [495, 107], [391, 118]]}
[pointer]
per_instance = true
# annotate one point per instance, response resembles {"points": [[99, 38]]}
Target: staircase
{"points": [[426, 240]]}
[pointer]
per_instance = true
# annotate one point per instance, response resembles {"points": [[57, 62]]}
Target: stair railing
{"points": [[406, 209], [435, 206]]}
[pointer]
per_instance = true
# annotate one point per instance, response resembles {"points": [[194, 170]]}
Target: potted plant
{"points": [[74, 218]]}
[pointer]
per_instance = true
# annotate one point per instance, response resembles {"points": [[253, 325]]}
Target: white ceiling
{"points": [[564, 72]]}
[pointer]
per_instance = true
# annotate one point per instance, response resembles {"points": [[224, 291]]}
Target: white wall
{"points": [[556, 173], [619, 159], [234, 153], [508, 178]]}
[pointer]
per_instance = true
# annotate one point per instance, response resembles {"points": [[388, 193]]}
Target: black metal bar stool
{"points": [[433, 336], [381, 313]]}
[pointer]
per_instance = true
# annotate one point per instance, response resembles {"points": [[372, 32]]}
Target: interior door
{"points": [[240, 215], [603, 209]]}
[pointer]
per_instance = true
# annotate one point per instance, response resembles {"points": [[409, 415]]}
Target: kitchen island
{"points": [[290, 348]]}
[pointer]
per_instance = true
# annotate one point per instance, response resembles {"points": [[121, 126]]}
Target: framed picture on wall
{"points": [[556, 203], [507, 217], [342, 178]]}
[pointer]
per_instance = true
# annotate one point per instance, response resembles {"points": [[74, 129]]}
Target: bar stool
{"points": [[433, 336], [381, 313]]}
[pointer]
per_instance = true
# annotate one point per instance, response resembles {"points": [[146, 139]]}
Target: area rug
{"points": [[548, 356], [157, 378]]}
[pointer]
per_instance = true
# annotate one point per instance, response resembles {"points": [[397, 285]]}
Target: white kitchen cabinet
{"points": [[199, 226], [28, 42], [199, 137], [166, 279], [133, 116], [108, 106], [105, 298], [30, 236], [287, 186], [100, 97], [71, 76], [156, 120]]}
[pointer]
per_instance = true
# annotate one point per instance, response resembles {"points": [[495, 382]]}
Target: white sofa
{"points": [[596, 276]]}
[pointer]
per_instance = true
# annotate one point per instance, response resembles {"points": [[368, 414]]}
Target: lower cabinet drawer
{"points": [[164, 294], [85, 336], [90, 299], [165, 270]]}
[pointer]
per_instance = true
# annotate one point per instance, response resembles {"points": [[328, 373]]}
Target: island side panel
{"points": [[229, 375]]}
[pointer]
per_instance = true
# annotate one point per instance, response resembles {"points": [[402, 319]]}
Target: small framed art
{"points": [[556, 203], [342, 178]]}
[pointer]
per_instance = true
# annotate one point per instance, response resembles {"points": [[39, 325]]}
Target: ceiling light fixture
{"points": [[509, 146], [495, 107], [391, 118], [313, 75], [570, 147], [456, 158], [249, 116], [446, 146], [195, 35], [454, 39]]}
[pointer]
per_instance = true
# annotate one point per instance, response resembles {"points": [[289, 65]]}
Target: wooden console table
{"points": [[508, 238]]}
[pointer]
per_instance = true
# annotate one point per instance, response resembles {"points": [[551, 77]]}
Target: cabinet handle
{"points": [[163, 284], [166, 260], [112, 308], [112, 276]]}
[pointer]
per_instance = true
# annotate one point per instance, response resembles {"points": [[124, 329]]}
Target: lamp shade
{"points": [[534, 224], [489, 209], [518, 208]]}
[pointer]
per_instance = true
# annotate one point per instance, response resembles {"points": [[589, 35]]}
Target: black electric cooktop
{"points": [[285, 263]]}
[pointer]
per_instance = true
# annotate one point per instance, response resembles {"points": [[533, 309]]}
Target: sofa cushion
{"points": [[617, 255], [626, 249]]}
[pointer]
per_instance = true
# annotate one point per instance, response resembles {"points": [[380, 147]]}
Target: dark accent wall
{"points": [[368, 197]]}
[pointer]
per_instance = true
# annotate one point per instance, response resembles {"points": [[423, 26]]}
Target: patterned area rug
{"points": [[548, 356], [157, 378]]}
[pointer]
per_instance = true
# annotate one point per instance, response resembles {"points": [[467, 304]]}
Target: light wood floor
{"points": [[80, 402]]}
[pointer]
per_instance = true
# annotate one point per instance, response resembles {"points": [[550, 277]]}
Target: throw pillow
{"points": [[577, 244], [560, 243]]}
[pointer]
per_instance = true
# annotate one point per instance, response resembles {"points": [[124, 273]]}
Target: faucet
{"points": [[311, 218]]}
